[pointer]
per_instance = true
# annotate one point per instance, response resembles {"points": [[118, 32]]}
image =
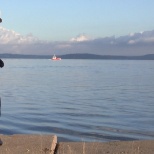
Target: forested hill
{"points": [[80, 56]]}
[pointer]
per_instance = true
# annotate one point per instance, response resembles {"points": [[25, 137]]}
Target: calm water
{"points": [[78, 100]]}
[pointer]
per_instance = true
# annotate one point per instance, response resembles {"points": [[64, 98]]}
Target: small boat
{"points": [[55, 58]]}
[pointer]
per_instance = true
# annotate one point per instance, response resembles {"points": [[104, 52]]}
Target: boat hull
{"points": [[56, 59]]}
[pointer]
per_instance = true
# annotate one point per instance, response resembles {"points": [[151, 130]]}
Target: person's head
{"points": [[1, 63], [0, 20]]}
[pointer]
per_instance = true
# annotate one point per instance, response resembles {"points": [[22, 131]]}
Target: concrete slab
{"points": [[118, 147], [28, 144]]}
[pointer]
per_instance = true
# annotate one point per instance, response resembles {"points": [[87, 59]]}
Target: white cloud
{"points": [[80, 38], [149, 40], [131, 34], [12, 37], [142, 40], [131, 44], [141, 37]]}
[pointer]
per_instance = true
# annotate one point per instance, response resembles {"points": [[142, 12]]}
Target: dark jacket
{"points": [[1, 63]]}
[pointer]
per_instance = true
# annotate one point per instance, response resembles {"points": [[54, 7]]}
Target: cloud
{"points": [[80, 38], [132, 44], [142, 37], [13, 42], [12, 37]]}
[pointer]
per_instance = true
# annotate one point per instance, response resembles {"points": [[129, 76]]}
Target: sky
{"points": [[105, 27]]}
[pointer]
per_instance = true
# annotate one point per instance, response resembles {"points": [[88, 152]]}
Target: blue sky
{"points": [[59, 20]]}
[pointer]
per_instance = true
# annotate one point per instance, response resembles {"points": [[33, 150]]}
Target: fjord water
{"points": [[78, 100]]}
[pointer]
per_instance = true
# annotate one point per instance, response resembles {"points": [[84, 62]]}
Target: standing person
{"points": [[1, 65], [1, 62]]}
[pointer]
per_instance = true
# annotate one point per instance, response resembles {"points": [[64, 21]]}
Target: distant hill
{"points": [[79, 56], [21, 56], [93, 56]]}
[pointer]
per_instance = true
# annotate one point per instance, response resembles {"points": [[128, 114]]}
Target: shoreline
{"points": [[48, 144]]}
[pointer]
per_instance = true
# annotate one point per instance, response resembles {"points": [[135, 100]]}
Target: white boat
{"points": [[55, 58]]}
